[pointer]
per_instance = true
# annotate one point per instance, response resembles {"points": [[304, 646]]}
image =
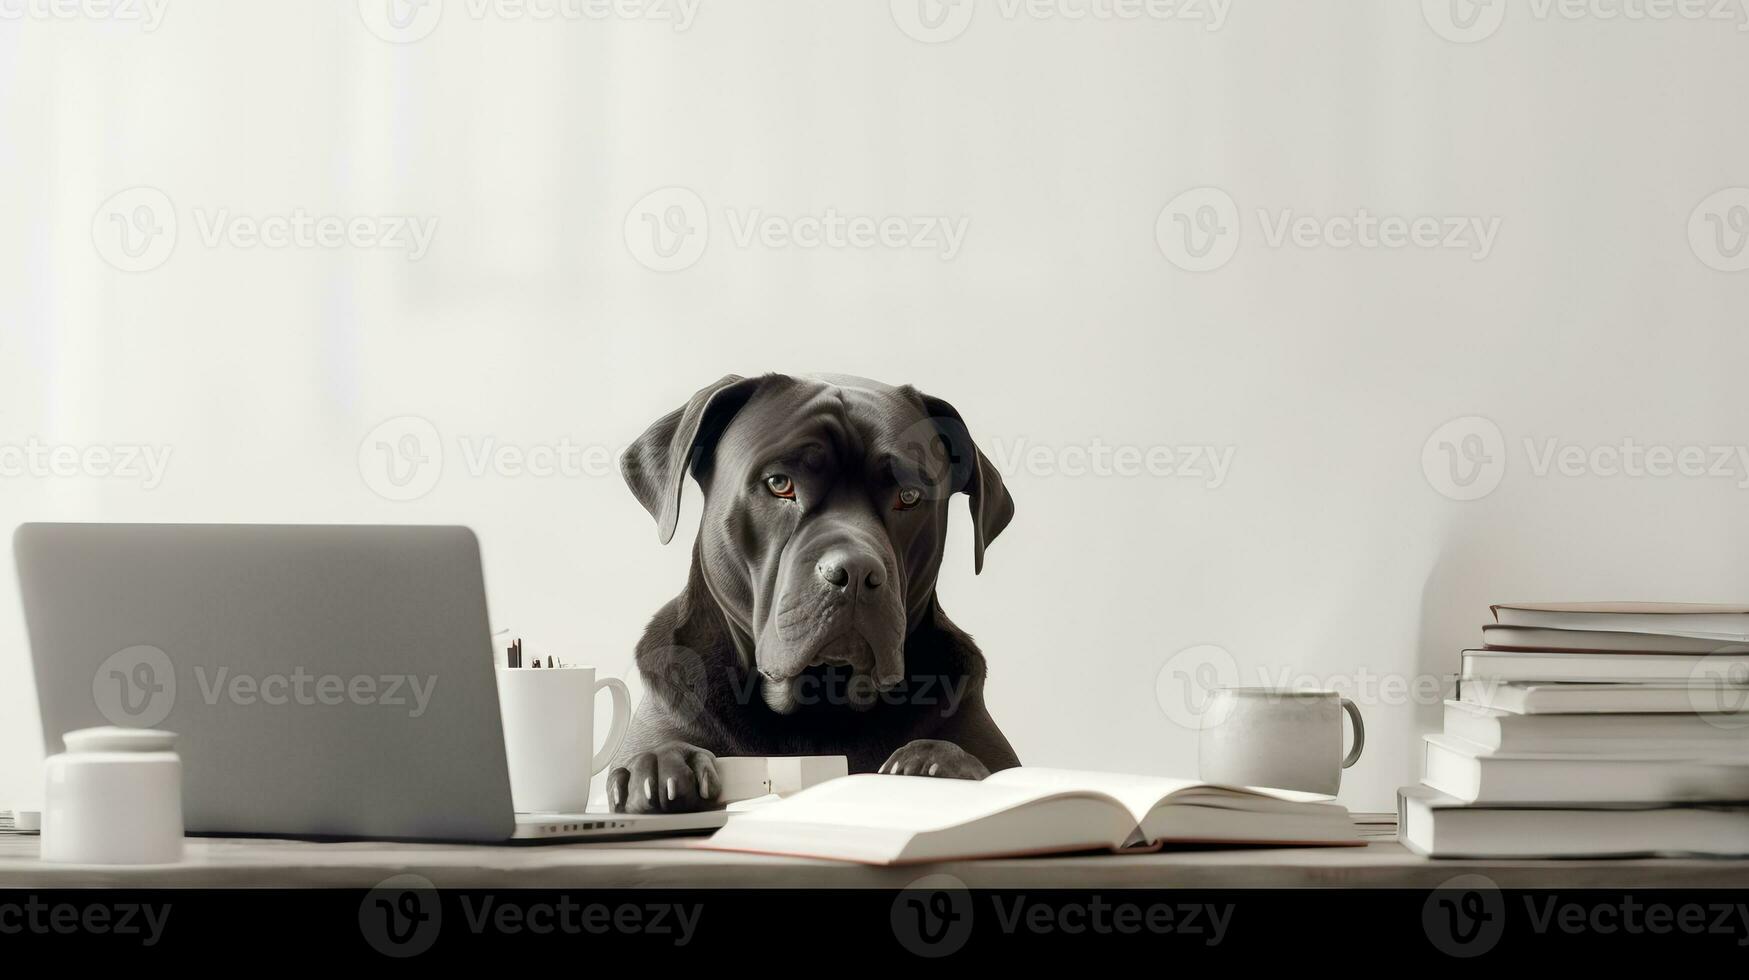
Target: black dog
{"points": [[809, 623]]}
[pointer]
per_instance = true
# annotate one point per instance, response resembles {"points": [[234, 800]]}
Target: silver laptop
{"points": [[323, 681]]}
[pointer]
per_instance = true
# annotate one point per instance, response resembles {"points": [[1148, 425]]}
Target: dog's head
{"points": [[825, 514]]}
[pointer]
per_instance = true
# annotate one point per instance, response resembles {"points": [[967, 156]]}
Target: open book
{"points": [[877, 819]]}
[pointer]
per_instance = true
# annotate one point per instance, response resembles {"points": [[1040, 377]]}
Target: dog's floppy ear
{"points": [[656, 464], [992, 507]]}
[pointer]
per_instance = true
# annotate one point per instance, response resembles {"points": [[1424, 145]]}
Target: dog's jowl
{"points": [[809, 623]]}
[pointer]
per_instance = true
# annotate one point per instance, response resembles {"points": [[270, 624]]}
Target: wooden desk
{"points": [[671, 863]]}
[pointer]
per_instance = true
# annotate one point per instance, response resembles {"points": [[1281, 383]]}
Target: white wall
{"points": [[1326, 552]]}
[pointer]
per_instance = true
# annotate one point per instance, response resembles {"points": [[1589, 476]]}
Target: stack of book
{"points": [[1592, 729]]}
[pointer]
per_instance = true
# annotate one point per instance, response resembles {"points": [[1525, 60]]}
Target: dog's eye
{"points": [[908, 498], [781, 486]]}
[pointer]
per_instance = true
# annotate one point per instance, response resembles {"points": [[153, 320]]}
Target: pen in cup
{"points": [[514, 654]]}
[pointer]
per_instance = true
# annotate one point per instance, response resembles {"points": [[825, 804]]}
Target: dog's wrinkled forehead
{"points": [[835, 422], [896, 435]]}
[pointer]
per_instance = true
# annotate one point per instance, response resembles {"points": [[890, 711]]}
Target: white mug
{"points": [[1256, 736], [114, 797], [549, 734]]}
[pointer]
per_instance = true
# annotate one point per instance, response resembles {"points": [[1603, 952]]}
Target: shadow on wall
{"points": [[1482, 559]]}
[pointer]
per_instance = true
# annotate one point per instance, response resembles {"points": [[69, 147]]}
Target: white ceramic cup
{"points": [[114, 797], [549, 734], [1255, 736]]}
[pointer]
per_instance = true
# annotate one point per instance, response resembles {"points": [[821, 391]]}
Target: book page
{"points": [[1653, 608], [915, 804], [1138, 794], [1141, 794], [840, 828]]}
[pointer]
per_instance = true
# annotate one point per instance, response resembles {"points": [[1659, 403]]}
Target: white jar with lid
{"points": [[114, 797]]}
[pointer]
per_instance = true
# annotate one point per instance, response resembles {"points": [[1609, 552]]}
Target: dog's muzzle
{"points": [[838, 633]]}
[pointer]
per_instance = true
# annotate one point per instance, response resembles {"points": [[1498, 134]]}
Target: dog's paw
{"points": [[673, 777], [933, 757]]}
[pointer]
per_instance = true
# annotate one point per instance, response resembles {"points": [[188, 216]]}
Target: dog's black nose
{"points": [[839, 569]]}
